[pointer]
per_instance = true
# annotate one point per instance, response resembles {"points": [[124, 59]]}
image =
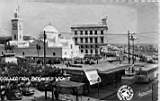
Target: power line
{"points": [[138, 33]]}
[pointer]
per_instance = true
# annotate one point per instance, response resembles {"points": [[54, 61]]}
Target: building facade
{"points": [[90, 37]]}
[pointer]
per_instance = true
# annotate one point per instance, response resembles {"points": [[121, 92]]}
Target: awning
{"points": [[92, 76], [69, 84]]}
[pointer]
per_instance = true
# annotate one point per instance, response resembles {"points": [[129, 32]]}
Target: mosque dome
{"points": [[50, 29]]}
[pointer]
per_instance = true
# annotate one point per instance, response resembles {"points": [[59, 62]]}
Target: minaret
{"points": [[17, 30]]}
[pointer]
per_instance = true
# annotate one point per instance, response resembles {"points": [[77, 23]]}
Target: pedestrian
{"points": [[56, 94]]}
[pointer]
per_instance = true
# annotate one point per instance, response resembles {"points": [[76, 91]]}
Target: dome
{"points": [[50, 28]]}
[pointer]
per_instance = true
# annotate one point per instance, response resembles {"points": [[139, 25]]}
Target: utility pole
{"points": [[129, 47], [133, 38], [133, 52]]}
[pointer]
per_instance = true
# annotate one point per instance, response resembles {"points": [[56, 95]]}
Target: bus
{"points": [[147, 73]]}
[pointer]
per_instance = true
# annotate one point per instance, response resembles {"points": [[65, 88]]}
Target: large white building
{"points": [[54, 39], [90, 37]]}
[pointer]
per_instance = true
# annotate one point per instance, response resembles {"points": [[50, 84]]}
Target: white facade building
{"points": [[53, 38]]}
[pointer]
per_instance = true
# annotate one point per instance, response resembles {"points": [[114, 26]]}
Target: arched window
{"points": [[14, 37], [23, 53]]}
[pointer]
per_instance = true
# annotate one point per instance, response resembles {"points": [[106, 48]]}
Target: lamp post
{"points": [[44, 59], [128, 47]]}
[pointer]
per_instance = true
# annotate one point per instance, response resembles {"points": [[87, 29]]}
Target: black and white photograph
{"points": [[79, 50]]}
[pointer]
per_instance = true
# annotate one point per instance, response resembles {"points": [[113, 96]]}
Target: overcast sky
{"points": [[141, 18]]}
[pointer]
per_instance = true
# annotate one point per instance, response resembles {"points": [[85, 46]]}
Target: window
{"points": [[82, 46], [96, 46], [86, 46], [96, 40], [95, 32], [14, 37], [23, 53], [81, 40], [91, 32], [91, 51], [91, 40], [102, 32], [55, 53], [86, 32], [76, 40], [86, 51], [102, 39], [71, 46], [81, 32], [75, 32], [91, 46], [86, 40], [81, 50]]}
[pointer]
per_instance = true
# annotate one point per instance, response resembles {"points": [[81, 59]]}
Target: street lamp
{"points": [[44, 47], [44, 44]]}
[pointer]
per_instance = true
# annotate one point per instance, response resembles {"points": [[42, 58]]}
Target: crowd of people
{"points": [[14, 89]]}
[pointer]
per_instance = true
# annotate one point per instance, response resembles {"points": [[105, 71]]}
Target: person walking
{"points": [[56, 94]]}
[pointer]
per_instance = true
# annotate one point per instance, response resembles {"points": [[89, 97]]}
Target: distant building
{"points": [[56, 46], [90, 37]]}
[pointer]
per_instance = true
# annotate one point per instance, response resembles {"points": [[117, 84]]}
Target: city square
{"points": [[78, 50]]}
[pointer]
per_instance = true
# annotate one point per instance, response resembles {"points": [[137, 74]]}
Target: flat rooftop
{"points": [[103, 67]]}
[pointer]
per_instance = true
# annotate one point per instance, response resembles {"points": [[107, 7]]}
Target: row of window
{"points": [[91, 32], [23, 53], [88, 46], [87, 51], [90, 40]]}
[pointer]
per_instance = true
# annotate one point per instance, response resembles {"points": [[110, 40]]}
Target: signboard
{"points": [[92, 76]]}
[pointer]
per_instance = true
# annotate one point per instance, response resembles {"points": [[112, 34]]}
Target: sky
{"points": [[140, 18]]}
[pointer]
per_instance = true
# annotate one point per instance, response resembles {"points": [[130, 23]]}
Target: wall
{"points": [[32, 51]]}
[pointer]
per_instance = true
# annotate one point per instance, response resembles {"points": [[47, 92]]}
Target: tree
{"points": [[38, 47]]}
